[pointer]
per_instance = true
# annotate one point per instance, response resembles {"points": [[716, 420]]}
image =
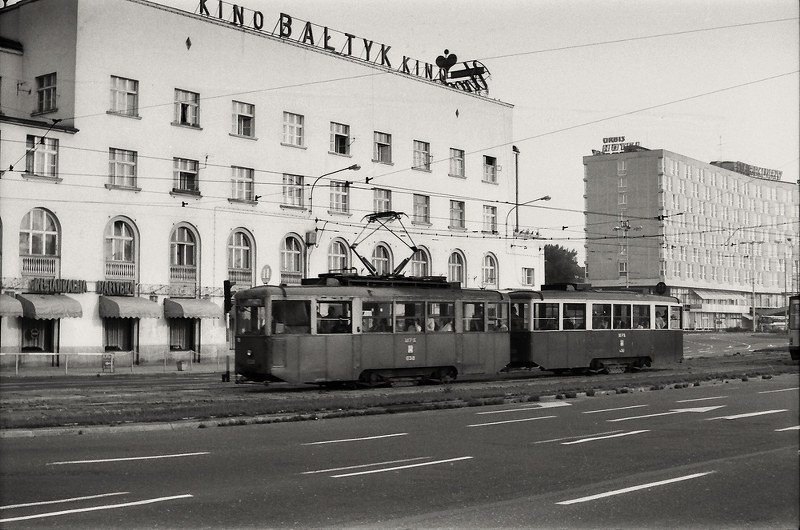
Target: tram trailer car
{"points": [[609, 331], [794, 326], [345, 329]]}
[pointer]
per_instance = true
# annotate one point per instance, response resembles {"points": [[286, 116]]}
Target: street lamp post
{"points": [[625, 227], [515, 207], [354, 167]]}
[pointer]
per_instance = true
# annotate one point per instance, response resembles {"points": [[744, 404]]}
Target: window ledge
{"points": [[382, 162], [421, 223], [189, 193], [341, 214], [123, 188], [458, 228], [292, 207], [423, 169], [489, 232], [186, 126], [293, 145], [457, 176], [123, 115], [42, 178], [346, 155], [492, 182], [42, 112], [243, 136], [252, 202]]}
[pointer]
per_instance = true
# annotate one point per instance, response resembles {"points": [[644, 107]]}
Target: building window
{"points": [[242, 183], [120, 251], [340, 196], [422, 155], [39, 243], [457, 215], [489, 169], [183, 255], [121, 168], [338, 256], [382, 259], [456, 162], [622, 198], [622, 167], [340, 138], [293, 129], [422, 209], [46, 93], [623, 269], [623, 182], [490, 219], [293, 190], [244, 119], [185, 176], [382, 200], [420, 263], [291, 261], [41, 158], [187, 108], [528, 276], [124, 96], [383, 148], [240, 264], [489, 270], [455, 267]]}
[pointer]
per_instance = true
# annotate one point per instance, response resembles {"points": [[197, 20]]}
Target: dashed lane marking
{"points": [[592, 439], [361, 466], [510, 421], [700, 399], [94, 508], [57, 501], [795, 428], [125, 459], [779, 390], [578, 436], [402, 467], [545, 405], [748, 415], [618, 408], [633, 488], [357, 439]]}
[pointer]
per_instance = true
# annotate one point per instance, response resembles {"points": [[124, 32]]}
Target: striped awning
{"points": [[191, 308], [49, 306], [128, 307], [10, 306]]}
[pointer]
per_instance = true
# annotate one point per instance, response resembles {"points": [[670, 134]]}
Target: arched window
{"points": [[420, 263], [382, 259], [240, 258], [455, 267], [39, 243], [183, 255], [291, 260], [120, 250], [338, 256], [489, 270]]}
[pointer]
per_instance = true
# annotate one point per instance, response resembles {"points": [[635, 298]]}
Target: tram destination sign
{"points": [[472, 77]]}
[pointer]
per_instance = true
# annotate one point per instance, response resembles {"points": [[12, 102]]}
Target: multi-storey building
{"points": [[149, 154], [722, 241]]}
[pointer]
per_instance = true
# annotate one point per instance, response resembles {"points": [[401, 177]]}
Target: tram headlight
{"points": [[249, 353]]}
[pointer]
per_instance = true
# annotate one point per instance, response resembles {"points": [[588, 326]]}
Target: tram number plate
{"points": [[411, 357]]}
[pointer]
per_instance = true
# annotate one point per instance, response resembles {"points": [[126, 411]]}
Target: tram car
{"points": [[602, 331], [794, 326]]}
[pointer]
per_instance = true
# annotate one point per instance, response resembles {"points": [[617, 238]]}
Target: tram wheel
{"points": [[446, 375]]}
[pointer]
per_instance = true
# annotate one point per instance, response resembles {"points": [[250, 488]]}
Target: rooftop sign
{"points": [[471, 78], [751, 171]]}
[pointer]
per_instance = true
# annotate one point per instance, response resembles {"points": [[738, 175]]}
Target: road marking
{"points": [[779, 390], [545, 405], [510, 421], [578, 436], [154, 457], [357, 439], [72, 499], [748, 415], [795, 428], [673, 411], [700, 399], [365, 465], [633, 488], [618, 408], [401, 467], [94, 508], [582, 440]]}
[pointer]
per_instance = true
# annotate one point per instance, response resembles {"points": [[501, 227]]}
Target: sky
{"points": [[709, 79]]}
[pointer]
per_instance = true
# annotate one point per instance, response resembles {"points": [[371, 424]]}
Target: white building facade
{"points": [[149, 154]]}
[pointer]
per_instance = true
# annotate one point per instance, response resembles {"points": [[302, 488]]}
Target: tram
{"points": [[794, 326], [373, 330]]}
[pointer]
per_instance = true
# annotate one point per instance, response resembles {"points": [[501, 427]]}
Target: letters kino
{"points": [[355, 47]]}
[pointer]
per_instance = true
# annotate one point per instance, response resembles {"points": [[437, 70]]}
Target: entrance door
{"points": [[38, 335]]}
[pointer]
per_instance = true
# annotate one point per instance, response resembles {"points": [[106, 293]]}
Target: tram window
{"points": [[250, 319], [409, 316], [291, 316], [601, 316], [641, 316], [473, 316], [675, 317], [520, 315], [545, 316], [441, 317], [622, 316], [661, 316], [333, 317], [497, 314], [377, 317], [574, 316]]}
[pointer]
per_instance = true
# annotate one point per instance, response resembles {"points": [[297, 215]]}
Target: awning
{"points": [[191, 308], [49, 306], [714, 294], [10, 306], [128, 307]]}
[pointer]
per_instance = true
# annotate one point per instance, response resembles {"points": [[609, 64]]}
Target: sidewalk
{"points": [[9, 369]]}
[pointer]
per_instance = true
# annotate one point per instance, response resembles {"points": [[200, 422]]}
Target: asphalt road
{"points": [[725, 344], [715, 455]]}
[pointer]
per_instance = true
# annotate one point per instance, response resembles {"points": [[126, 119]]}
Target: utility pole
{"points": [[516, 187], [625, 227]]}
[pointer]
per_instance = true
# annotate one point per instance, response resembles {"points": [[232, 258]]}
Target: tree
{"points": [[561, 265]]}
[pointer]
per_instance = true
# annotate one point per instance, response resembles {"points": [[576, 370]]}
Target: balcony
{"points": [[241, 277], [41, 266], [120, 270], [183, 273], [291, 278]]}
